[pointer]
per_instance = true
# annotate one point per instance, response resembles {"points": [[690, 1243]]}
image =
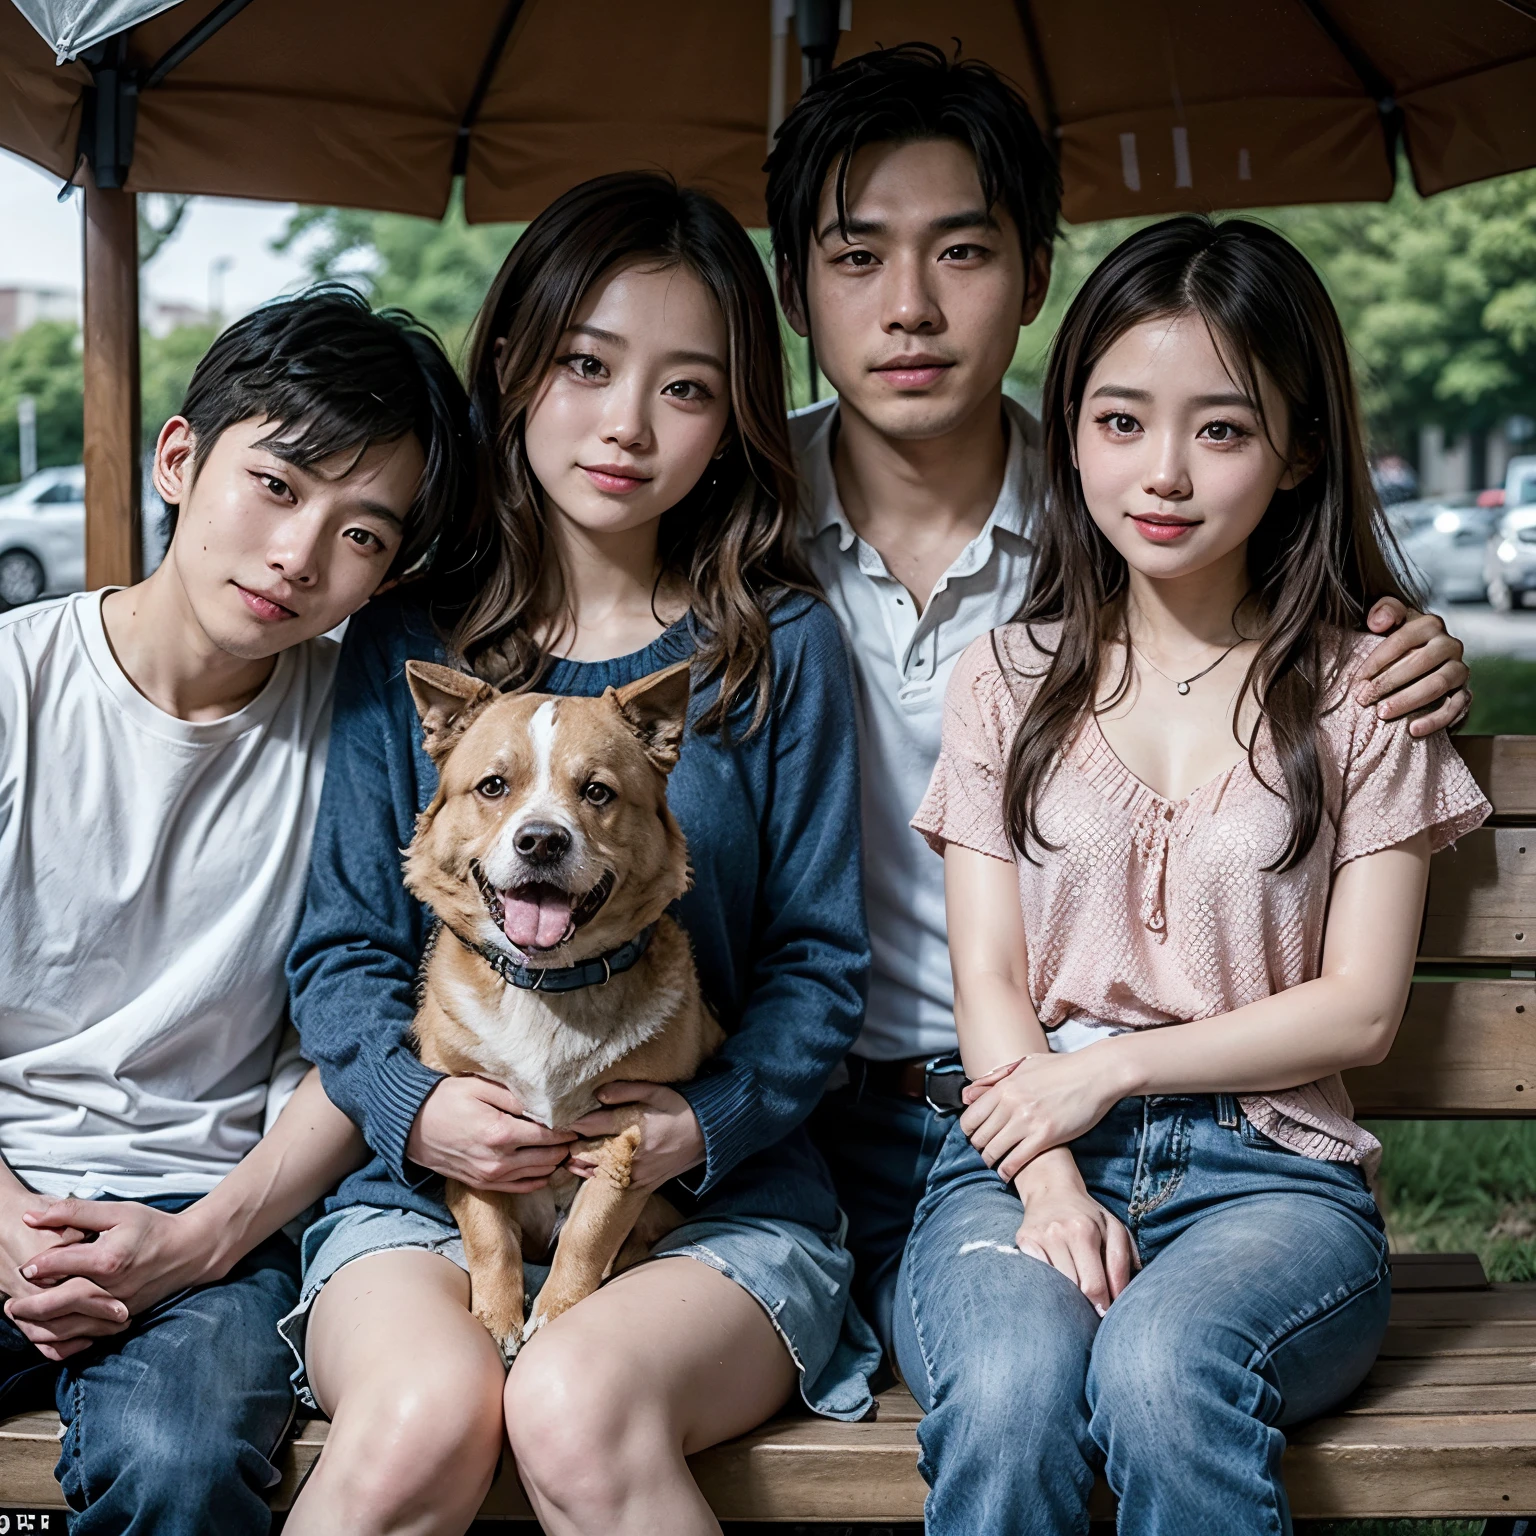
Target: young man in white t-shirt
{"points": [[162, 749]]}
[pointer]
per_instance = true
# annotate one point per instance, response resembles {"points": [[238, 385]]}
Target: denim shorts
{"points": [[798, 1271]]}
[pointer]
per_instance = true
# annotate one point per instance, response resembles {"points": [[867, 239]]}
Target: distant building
{"points": [[163, 315], [1471, 462], [21, 307]]}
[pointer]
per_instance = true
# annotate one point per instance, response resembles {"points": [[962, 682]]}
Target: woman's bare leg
{"points": [[603, 1404], [412, 1384]]}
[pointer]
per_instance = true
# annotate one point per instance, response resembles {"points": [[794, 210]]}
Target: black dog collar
{"points": [[566, 978]]}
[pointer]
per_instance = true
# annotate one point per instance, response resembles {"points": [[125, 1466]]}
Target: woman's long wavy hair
{"points": [[730, 541], [1321, 555]]}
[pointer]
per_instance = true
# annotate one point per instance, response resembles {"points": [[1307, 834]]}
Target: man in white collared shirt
{"points": [[905, 654], [913, 203]]}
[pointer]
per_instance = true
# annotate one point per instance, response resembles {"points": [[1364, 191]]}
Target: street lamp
{"points": [[26, 423], [216, 270]]}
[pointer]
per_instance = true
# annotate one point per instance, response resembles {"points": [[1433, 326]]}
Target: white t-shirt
{"points": [[901, 664], [151, 876]]}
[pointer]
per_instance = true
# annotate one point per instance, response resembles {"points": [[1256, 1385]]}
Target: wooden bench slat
{"points": [[1517, 1365], [1384, 1467], [1405, 1340], [1465, 1048], [1505, 770], [1482, 898], [1437, 1272], [1439, 1397], [1502, 1304]]}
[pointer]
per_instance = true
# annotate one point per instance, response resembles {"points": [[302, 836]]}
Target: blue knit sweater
{"points": [[776, 913]]}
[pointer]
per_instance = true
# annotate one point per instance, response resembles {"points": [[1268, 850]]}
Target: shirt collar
{"points": [[1011, 512]]}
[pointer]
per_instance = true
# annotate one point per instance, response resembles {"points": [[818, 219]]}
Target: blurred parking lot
{"points": [[1486, 633]]}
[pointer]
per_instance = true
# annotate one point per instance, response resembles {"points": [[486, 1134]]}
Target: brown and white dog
{"points": [[549, 856]]}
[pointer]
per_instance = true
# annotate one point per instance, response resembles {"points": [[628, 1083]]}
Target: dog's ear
{"points": [[655, 708], [446, 700]]}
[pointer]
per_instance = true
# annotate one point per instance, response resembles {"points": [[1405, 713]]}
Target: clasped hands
{"points": [[475, 1131], [1020, 1117], [75, 1271]]}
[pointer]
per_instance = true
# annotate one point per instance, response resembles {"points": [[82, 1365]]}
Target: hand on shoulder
{"points": [[1418, 666]]}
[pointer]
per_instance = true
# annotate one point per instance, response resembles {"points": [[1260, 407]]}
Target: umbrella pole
{"points": [[818, 26], [113, 550]]}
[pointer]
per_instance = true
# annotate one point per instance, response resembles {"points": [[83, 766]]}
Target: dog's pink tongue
{"points": [[536, 917]]}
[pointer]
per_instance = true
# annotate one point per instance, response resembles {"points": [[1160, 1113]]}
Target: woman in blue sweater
{"points": [[626, 375]]}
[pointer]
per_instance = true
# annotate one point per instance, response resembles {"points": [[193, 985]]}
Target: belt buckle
{"points": [[944, 1081]]}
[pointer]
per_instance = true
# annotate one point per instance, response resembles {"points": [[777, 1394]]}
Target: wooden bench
{"points": [[1444, 1426]]}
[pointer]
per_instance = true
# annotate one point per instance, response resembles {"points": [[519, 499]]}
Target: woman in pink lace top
{"points": [[1185, 872]]}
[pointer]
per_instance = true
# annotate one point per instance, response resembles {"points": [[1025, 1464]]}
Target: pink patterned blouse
{"points": [[1156, 911]]}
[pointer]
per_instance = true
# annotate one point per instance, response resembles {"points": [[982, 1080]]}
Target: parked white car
{"points": [[1443, 540], [42, 536], [1520, 482], [1511, 559]]}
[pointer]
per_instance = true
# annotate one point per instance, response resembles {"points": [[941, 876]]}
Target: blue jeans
{"points": [[879, 1149], [1262, 1300], [171, 1427]]}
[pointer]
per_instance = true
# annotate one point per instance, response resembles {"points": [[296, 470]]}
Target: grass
{"points": [[1392, 1528], [1503, 696], [1450, 1186]]}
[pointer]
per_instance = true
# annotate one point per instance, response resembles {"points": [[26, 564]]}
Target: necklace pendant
{"points": [[1183, 687]]}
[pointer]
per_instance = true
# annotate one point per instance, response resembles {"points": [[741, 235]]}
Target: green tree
{"points": [[440, 271], [165, 369], [1079, 249], [42, 361], [1438, 296]]}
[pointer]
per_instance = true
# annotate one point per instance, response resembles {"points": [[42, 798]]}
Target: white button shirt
{"points": [[902, 661]]}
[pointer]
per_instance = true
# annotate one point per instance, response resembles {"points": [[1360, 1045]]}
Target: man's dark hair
{"points": [[907, 93], [333, 376]]}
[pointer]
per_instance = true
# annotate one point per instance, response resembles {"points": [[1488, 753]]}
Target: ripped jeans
{"points": [[1262, 1300]]}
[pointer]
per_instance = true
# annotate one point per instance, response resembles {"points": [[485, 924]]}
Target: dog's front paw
{"points": [[507, 1332], [549, 1305]]}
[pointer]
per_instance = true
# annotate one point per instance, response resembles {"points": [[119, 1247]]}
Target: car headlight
{"points": [[1506, 550], [1447, 522]]}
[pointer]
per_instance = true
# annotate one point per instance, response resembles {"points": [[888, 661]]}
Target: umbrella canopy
{"points": [[72, 26], [379, 103]]}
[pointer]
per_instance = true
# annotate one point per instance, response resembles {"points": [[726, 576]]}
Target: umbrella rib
{"points": [[193, 41], [1372, 81], [1026, 15], [483, 84]]}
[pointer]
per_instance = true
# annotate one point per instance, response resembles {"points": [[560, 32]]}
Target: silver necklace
{"points": [[1182, 685]]}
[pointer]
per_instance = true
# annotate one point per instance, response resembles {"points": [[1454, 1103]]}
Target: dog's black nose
{"points": [[541, 842]]}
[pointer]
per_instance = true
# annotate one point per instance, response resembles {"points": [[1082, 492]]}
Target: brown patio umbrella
{"points": [[1168, 105]]}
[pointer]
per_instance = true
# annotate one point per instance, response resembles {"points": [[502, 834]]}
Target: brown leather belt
{"points": [[905, 1078], [936, 1081]]}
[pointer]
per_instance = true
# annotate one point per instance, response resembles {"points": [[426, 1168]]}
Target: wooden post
{"points": [[113, 548]]}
